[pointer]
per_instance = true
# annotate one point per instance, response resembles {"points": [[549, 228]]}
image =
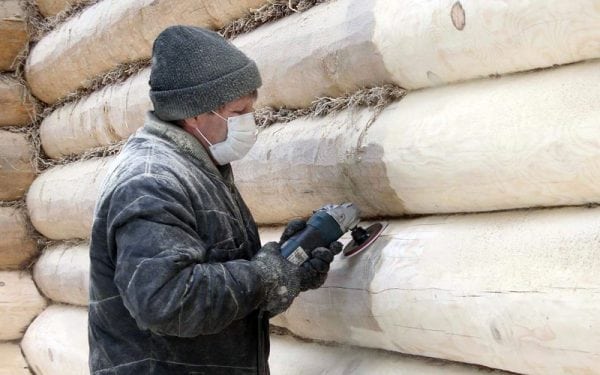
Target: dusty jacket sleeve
{"points": [[161, 270]]}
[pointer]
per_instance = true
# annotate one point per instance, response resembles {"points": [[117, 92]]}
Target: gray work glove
{"points": [[314, 271], [280, 278]]}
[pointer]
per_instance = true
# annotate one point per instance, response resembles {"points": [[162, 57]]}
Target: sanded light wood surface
{"points": [[61, 200], [56, 343], [290, 356], [51, 8], [520, 141], [515, 142], [20, 302], [16, 107], [112, 32], [336, 47], [62, 273], [16, 245], [511, 290], [16, 170], [12, 361], [13, 33]]}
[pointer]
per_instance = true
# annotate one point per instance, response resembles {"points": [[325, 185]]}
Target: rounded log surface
{"points": [[56, 343], [290, 356], [20, 302], [510, 290], [335, 47], [514, 142], [62, 273], [16, 170], [106, 116], [113, 32], [16, 245], [61, 200]]}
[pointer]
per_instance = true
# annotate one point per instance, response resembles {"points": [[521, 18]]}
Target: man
{"points": [[179, 283]]}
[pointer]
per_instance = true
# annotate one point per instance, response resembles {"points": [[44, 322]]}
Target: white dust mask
{"points": [[241, 136]]}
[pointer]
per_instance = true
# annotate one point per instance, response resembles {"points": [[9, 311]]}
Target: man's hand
{"points": [[293, 227], [314, 270], [280, 277]]}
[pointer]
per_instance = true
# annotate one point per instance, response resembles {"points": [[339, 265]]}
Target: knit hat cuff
{"points": [[179, 104]]}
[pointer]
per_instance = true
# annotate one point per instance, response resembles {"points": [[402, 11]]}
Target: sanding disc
{"points": [[373, 231]]}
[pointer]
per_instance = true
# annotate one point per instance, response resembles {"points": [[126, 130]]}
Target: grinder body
{"points": [[325, 226]]}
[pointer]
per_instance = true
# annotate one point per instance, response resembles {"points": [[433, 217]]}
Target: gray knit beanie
{"points": [[195, 70]]}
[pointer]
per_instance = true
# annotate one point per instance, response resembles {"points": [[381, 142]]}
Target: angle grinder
{"points": [[327, 225]]}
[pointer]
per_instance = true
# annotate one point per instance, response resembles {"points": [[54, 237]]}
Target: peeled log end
{"points": [[51, 8], [13, 33], [12, 361], [16, 170], [21, 302], [17, 105], [16, 245]]}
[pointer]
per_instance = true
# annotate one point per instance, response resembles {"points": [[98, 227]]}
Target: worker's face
{"points": [[213, 127]]}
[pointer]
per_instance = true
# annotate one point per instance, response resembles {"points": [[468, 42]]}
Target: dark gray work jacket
{"points": [[171, 287]]}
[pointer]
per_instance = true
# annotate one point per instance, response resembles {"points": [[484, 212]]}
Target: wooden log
{"points": [[520, 141], [62, 273], [57, 342], [13, 33], [51, 8], [20, 302], [106, 116], [113, 32], [345, 45], [290, 356], [16, 170], [11, 360], [16, 245], [61, 200], [16, 103], [511, 290], [335, 47]]}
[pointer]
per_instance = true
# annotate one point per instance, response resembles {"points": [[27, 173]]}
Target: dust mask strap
{"points": [[203, 137]]}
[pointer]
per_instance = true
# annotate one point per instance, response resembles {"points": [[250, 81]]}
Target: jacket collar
{"points": [[186, 143]]}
